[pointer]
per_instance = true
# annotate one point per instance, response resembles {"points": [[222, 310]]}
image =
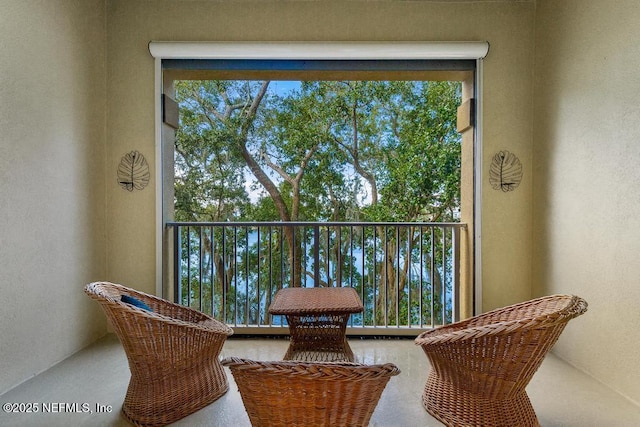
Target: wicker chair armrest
{"points": [[170, 309], [439, 337], [505, 321], [205, 324], [549, 308], [161, 310], [334, 371], [162, 339]]}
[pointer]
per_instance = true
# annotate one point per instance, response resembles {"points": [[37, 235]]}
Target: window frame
{"points": [[322, 51]]}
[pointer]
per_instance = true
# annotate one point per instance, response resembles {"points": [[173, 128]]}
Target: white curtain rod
{"points": [[319, 50]]}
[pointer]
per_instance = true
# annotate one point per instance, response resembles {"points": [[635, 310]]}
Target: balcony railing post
{"points": [[432, 275], [200, 267], [316, 255], [455, 297], [443, 290], [177, 271], [188, 267]]}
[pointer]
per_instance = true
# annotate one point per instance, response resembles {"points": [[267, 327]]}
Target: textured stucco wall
{"points": [[508, 26], [78, 94], [77, 85], [52, 207], [586, 193]]}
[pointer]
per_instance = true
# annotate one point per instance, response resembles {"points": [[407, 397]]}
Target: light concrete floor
{"points": [[98, 375]]}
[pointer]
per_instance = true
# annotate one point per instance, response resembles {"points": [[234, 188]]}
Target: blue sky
{"points": [[282, 87]]}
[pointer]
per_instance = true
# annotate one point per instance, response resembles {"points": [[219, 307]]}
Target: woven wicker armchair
{"points": [[482, 365], [294, 393], [172, 351]]}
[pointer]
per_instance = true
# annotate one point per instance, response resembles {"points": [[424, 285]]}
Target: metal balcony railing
{"points": [[407, 274]]}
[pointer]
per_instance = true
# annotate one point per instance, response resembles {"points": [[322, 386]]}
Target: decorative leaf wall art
{"points": [[506, 171], [133, 171]]}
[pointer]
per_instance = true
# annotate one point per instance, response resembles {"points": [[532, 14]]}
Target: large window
{"points": [[320, 140]]}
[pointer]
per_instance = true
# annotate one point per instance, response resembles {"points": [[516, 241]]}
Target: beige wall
{"points": [[508, 26], [586, 179], [77, 85], [77, 90], [52, 207]]}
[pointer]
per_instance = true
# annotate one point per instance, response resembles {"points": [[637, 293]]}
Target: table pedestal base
{"points": [[319, 338]]}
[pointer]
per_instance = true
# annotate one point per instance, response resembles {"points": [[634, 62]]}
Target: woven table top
{"points": [[300, 301]]}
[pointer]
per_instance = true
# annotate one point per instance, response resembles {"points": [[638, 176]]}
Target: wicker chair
{"points": [[172, 351], [482, 365], [294, 393]]}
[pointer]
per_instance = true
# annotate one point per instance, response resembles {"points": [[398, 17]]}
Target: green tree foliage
{"points": [[324, 151], [329, 150], [209, 179]]}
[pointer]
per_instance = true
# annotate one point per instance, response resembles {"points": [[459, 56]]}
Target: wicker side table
{"points": [[317, 319]]}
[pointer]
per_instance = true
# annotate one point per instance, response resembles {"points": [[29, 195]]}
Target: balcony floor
{"points": [[560, 394]]}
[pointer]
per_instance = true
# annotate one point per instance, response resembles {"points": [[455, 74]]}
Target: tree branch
{"points": [[305, 162], [253, 165], [276, 167]]}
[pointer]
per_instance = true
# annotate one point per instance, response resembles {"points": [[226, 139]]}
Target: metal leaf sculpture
{"points": [[133, 171], [506, 171]]}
